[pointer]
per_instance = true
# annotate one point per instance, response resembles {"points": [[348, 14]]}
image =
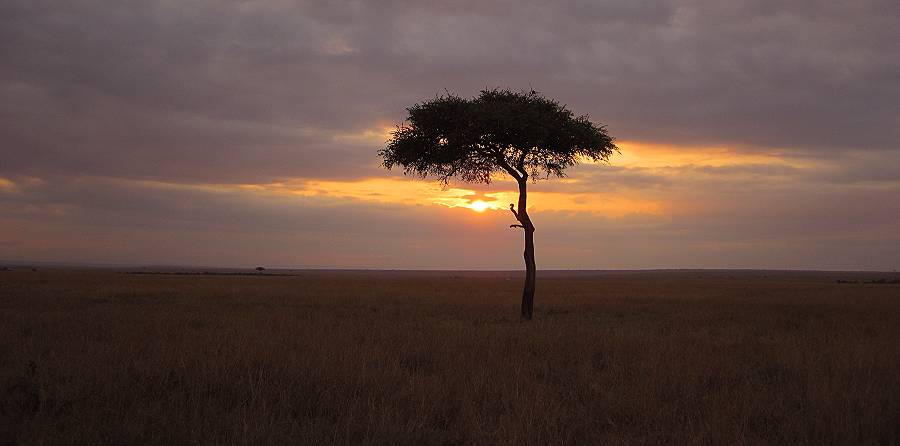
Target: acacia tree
{"points": [[522, 134]]}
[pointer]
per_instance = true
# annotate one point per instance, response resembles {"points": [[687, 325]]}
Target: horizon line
{"points": [[110, 265]]}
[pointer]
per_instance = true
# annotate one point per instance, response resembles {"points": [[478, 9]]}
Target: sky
{"points": [[753, 134]]}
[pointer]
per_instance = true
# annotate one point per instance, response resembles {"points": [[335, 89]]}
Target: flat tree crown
{"points": [[521, 133]]}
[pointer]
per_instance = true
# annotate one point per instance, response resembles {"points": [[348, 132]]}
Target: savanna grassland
{"points": [[691, 357]]}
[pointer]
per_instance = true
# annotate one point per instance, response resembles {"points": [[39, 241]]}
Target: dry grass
{"points": [[96, 357]]}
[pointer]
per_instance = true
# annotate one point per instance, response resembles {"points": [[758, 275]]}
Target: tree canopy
{"points": [[523, 134]]}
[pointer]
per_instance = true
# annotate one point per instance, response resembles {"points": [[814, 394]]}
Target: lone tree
{"points": [[522, 134]]}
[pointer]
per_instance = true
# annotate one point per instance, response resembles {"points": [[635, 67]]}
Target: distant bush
{"points": [[890, 281], [885, 281]]}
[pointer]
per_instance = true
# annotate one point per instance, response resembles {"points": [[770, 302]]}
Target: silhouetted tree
{"points": [[522, 134]]}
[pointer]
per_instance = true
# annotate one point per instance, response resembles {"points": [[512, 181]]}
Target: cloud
{"points": [[177, 85], [110, 220], [121, 115]]}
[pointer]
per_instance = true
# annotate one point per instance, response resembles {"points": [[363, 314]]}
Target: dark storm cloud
{"points": [[254, 90]]}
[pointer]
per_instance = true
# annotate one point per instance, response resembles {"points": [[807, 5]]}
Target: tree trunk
{"points": [[530, 266]]}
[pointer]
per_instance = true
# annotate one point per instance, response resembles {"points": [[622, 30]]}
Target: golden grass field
{"points": [[690, 357]]}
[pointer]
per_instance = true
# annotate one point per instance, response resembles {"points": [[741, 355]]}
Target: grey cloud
{"points": [[673, 180], [112, 203], [138, 222], [861, 169], [108, 220], [123, 141], [157, 89]]}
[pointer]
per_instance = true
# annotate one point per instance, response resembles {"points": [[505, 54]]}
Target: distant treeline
{"points": [[208, 273], [891, 281]]}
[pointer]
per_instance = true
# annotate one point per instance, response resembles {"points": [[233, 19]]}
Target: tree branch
{"points": [[520, 164], [512, 208], [505, 165]]}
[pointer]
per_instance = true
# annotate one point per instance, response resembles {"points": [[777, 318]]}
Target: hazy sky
{"points": [[754, 134]]}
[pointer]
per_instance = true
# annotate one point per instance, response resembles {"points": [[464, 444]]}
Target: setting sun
{"points": [[478, 206]]}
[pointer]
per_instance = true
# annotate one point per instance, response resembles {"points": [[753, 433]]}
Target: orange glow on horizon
{"points": [[423, 193], [646, 155], [564, 195]]}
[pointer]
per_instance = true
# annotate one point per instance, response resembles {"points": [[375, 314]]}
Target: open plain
{"points": [[342, 357]]}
